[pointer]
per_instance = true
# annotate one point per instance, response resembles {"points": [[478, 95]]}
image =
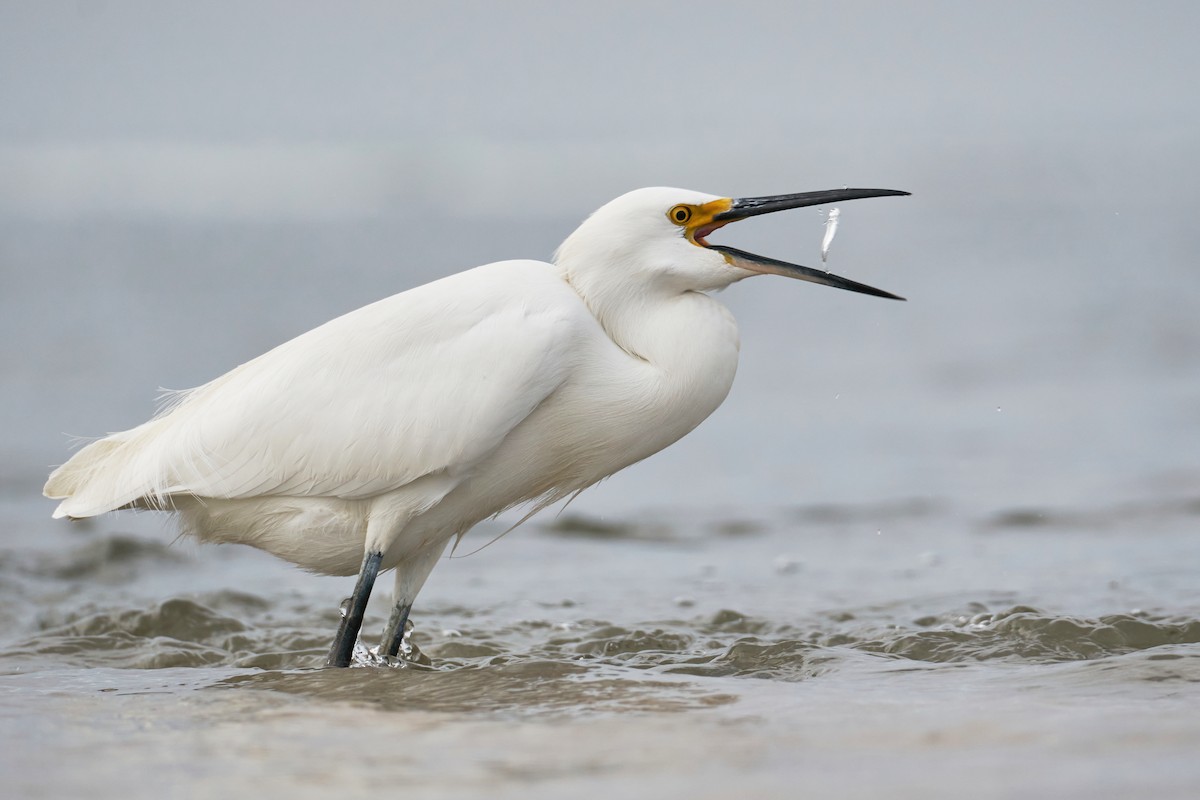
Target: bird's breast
{"points": [[625, 403]]}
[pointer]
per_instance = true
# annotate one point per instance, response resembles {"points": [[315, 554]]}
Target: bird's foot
{"points": [[407, 654]]}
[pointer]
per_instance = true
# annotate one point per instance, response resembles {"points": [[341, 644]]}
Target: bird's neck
{"points": [[676, 331], [680, 353]]}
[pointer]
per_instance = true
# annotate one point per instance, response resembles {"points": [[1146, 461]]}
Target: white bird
{"points": [[370, 442]]}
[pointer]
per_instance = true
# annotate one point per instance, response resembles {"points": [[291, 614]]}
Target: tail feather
{"points": [[103, 476]]}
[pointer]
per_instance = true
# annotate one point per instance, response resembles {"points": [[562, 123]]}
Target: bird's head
{"points": [[657, 237]]}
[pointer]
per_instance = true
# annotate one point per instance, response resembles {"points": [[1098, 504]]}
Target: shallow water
{"points": [[903, 648]]}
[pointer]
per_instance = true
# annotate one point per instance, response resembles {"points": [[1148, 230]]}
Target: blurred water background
{"points": [[956, 538]]}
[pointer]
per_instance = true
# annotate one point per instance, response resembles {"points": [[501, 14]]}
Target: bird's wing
{"points": [[426, 382]]}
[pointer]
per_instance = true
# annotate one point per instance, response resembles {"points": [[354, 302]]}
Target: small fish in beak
{"points": [[831, 223]]}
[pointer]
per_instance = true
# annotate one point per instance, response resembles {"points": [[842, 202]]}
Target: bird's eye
{"points": [[679, 214]]}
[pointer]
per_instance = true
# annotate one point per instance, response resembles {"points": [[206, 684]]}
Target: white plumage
{"points": [[396, 427]]}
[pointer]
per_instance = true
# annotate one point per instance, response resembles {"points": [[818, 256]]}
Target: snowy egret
{"points": [[370, 442]]}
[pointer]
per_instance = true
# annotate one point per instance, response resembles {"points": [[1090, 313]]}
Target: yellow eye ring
{"points": [[679, 215]]}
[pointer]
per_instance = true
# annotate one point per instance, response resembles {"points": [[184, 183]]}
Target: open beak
{"points": [[753, 206]]}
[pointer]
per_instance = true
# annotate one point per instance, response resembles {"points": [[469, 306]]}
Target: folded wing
{"points": [[426, 382]]}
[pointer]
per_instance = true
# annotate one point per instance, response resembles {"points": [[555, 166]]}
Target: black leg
{"points": [[347, 632], [393, 634]]}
